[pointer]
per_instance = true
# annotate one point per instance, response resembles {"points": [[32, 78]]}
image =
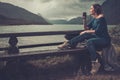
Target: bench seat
{"points": [[39, 54]]}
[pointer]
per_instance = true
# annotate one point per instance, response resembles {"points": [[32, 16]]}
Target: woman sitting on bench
{"points": [[96, 34]]}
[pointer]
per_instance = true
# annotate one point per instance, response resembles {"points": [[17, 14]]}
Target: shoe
{"points": [[101, 70], [64, 46], [95, 67], [108, 68], [64, 43]]}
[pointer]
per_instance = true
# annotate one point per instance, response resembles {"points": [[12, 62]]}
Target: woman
{"points": [[96, 34]]}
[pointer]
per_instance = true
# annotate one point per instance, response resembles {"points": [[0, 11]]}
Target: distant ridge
{"points": [[12, 15], [111, 10], [76, 20]]}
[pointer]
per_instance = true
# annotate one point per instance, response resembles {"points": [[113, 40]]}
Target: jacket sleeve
{"points": [[100, 27], [90, 24]]}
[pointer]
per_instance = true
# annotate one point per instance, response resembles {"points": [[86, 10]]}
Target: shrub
{"points": [[115, 35]]}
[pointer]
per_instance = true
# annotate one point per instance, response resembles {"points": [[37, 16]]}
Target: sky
{"points": [[55, 9]]}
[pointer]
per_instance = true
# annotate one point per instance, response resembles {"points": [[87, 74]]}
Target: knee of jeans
{"points": [[89, 42], [68, 37], [85, 35]]}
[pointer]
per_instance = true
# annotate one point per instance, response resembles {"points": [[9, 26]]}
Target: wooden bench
{"points": [[12, 57], [35, 54]]}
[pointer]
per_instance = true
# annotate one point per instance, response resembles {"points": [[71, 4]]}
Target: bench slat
{"points": [[39, 54], [24, 34], [34, 45]]}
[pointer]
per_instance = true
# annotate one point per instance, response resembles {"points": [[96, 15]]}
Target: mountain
{"points": [[77, 20], [111, 10], [60, 21], [10, 14]]}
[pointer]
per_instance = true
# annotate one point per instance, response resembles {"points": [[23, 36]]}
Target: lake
{"points": [[36, 39]]}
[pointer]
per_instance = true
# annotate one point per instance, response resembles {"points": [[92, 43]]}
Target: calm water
{"points": [[36, 39], [38, 28]]}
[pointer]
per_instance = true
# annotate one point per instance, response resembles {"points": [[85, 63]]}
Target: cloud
{"points": [[45, 1], [69, 8], [90, 0], [53, 9]]}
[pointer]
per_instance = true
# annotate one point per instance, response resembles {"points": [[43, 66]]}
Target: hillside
{"points": [[111, 10], [76, 20], [60, 21], [10, 14]]}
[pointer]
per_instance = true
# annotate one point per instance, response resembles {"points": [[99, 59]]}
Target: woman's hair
{"points": [[97, 8]]}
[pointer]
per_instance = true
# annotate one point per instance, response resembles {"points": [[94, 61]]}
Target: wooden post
{"points": [[84, 20], [13, 49]]}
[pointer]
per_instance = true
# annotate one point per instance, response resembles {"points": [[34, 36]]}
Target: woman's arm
{"points": [[88, 31]]}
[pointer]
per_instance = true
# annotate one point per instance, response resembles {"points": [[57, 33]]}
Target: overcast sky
{"points": [[56, 9]]}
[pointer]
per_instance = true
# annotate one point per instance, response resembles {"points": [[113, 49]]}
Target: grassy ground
{"points": [[51, 68]]}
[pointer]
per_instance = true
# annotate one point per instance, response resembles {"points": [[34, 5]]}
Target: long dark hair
{"points": [[97, 8]]}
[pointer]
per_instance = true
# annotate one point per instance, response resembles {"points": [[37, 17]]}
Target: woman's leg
{"points": [[69, 36], [80, 38], [93, 43], [75, 40]]}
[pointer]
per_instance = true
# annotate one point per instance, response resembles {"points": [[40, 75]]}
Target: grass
{"points": [[52, 68]]}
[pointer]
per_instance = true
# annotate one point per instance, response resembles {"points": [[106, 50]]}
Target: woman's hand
{"points": [[88, 31], [83, 32]]}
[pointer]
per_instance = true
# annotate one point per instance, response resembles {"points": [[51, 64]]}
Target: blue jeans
{"points": [[93, 42]]}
